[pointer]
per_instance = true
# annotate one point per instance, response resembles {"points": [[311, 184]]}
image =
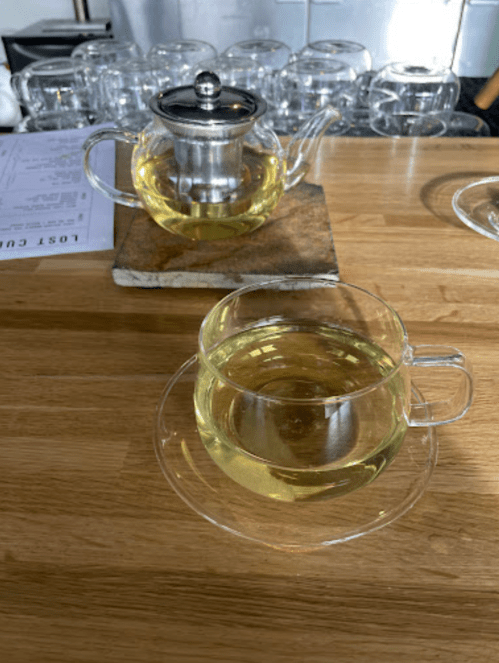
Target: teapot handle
{"points": [[122, 197]]}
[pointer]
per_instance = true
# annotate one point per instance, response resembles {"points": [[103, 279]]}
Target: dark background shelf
{"points": [[469, 89]]}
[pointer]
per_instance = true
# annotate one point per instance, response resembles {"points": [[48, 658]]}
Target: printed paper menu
{"points": [[47, 205]]}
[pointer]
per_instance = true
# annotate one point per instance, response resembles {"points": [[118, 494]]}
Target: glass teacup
{"points": [[51, 86], [96, 57], [407, 100], [307, 84], [304, 387], [129, 85], [270, 54], [353, 54], [240, 72], [180, 57]]}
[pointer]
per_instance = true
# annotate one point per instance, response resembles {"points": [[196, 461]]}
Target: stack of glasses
{"points": [[113, 81]]}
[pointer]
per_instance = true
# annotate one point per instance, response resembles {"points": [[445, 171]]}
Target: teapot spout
{"points": [[302, 148]]}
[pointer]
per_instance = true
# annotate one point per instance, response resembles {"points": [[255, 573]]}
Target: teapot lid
{"points": [[208, 102]]}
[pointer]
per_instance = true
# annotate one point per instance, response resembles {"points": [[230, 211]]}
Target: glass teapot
{"points": [[205, 167]]}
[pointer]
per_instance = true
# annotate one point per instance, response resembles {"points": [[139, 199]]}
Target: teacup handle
{"points": [[15, 84], [445, 411], [122, 197]]}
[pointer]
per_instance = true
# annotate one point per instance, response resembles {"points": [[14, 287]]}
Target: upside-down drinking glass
{"points": [[306, 85], [181, 57], [404, 99]]}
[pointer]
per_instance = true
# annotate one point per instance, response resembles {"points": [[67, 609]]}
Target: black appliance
{"points": [[51, 39]]}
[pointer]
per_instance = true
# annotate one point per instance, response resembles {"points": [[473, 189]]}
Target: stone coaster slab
{"points": [[296, 240]]}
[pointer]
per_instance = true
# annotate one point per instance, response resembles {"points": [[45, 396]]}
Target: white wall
{"points": [[18, 14], [477, 52]]}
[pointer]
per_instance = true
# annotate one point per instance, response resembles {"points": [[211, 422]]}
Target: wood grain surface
{"points": [[101, 560]]}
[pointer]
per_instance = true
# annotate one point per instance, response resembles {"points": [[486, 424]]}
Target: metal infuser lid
{"points": [[208, 102]]}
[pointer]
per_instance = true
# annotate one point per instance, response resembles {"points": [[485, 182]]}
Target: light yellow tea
{"points": [[243, 209], [284, 446]]}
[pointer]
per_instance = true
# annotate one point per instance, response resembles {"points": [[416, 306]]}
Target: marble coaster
{"points": [[296, 240]]}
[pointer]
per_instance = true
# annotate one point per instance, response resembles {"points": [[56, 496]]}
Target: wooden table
{"points": [[101, 561]]}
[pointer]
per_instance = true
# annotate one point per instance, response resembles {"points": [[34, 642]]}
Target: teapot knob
{"points": [[208, 89]]}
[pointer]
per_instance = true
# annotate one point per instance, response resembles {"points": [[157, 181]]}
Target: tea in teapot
{"points": [[207, 167]]}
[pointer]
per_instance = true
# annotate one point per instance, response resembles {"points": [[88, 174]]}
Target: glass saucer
{"points": [[293, 526], [477, 205], [464, 125], [398, 125], [59, 121]]}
